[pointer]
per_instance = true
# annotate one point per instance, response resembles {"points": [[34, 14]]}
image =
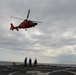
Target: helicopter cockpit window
{"points": [[28, 22]]}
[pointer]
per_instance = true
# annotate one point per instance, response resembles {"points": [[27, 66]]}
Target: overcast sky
{"points": [[52, 41]]}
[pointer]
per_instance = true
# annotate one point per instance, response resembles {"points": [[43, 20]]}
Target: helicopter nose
{"points": [[35, 23]]}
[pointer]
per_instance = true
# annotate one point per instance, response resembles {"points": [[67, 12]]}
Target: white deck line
{"points": [[12, 73], [32, 71], [71, 72], [43, 73]]}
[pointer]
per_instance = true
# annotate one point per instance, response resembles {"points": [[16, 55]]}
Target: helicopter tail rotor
{"points": [[12, 27]]}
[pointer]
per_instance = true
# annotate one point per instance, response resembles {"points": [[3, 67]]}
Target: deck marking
{"points": [[12, 73]]}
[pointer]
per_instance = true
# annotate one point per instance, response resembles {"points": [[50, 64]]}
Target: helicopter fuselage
{"points": [[25, 24]]}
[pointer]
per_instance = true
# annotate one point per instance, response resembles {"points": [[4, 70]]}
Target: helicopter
{"points": [[25, 24]]}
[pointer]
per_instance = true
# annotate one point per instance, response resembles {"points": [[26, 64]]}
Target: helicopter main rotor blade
{"points": [[37, 21], [28, 14], [24, 19], [16, 18]]}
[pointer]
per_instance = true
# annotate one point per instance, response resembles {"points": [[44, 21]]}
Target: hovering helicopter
{"points": [[25, 24]]}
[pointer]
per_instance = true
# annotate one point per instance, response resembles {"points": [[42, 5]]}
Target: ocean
{"points": [[60, 65], [2, 63]]}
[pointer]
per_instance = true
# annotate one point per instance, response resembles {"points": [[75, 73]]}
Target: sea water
{"points": [[8, 63], [19, 63]]}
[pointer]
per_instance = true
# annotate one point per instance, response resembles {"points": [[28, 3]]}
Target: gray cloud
{"points": [[55, 34]]}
